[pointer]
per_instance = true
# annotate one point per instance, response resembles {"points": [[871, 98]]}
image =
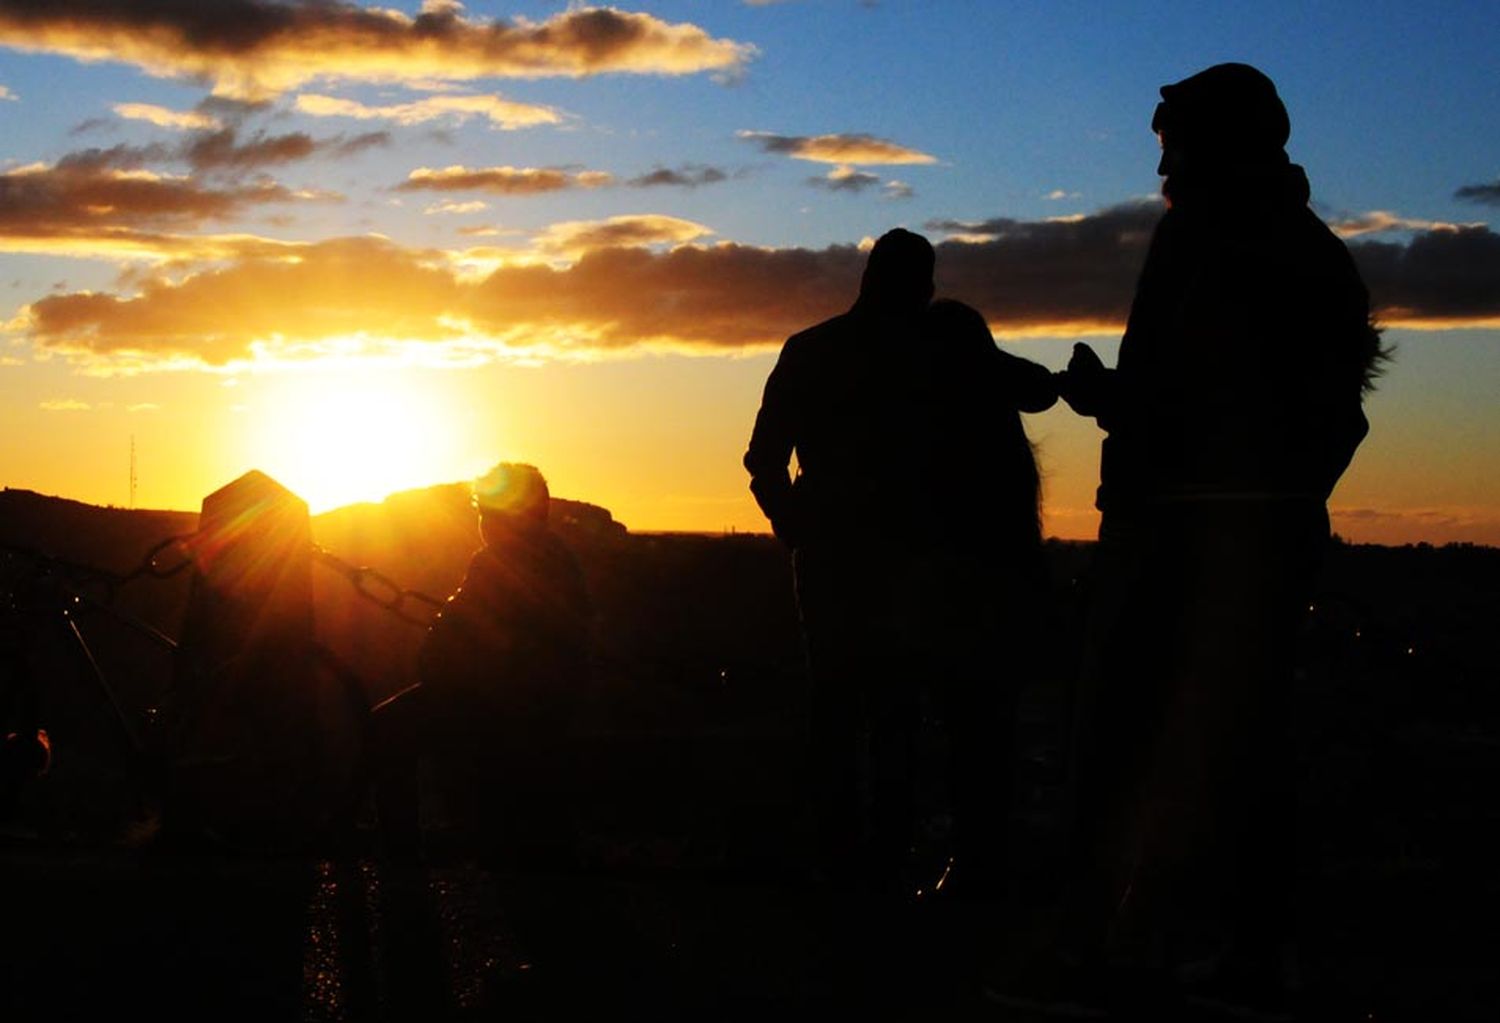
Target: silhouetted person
{"points": [[866, 403], [501, 671], [981, 541], [1235, 407]]}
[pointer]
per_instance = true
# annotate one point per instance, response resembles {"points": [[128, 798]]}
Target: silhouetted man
{"points": [[1235, 407], [839, 397], [500, 671], [893, 591]]}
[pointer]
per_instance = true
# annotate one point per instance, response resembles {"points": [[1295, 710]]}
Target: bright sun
{"points": [[335, 440]]}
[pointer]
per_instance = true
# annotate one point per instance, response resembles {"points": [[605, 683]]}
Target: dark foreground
{"points": [[694, 900]]}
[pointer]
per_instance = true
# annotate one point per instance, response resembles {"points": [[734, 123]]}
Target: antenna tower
{"points": [[132, 470]]}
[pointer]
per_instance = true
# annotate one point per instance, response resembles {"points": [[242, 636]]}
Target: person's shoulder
{"points": [[820, 334], [809, 349]]}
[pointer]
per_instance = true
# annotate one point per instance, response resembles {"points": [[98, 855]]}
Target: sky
{"points": [[368, 248]]}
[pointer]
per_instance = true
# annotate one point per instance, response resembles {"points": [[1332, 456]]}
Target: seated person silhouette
{"points": [[500, 671]]}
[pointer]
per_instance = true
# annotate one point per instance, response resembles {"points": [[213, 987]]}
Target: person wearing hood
{"points": [[1234, 408]]}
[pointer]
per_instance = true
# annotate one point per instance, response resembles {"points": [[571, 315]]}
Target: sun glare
{"points": [[338, 440]]}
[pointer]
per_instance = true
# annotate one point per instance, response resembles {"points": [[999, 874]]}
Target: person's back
{"points": [[512, 640], [977, 466], [501, 672], [841, 397]]}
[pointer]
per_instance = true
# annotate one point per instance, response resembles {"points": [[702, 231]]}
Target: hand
{"points": [[1085, 361], [1082, 385]]}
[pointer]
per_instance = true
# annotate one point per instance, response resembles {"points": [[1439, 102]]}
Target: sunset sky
{"points": [[368, 248]]}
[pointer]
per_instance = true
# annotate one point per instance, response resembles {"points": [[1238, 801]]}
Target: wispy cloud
{"points": [[1382, 221], [64, 405], [448, 206], [1488, 193], [259, 48], [687, 176], [501, 180], [182, 120], [502, 113], [853, 148], [576, 237]]}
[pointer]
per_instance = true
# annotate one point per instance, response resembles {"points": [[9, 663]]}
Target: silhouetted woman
{"points": [[983, 535]]}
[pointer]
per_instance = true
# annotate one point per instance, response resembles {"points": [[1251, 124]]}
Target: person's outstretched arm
{"points": [[1029, 386]]}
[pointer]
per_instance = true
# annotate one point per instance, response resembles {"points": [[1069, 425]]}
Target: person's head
{"points": [[512, 499], [898, 273], [1220, 121]]}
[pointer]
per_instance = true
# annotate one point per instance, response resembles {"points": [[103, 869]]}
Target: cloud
{"points": [[143, 406], [254, 49], [1058, 194], [183, 120], [503, 114], [1380, 222], [687, 176], [1489, 193], [223, 151], [837, 149], [501, 180], [845, 179], [1438, 525], [341, 146], [64, 405], [83, 206], [848, 179], [82, 193], [646, 282], [6, 94], [576, 237], [451, 207], [1445, 277]]}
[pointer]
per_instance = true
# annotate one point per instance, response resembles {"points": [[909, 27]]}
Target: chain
{"points": [[381, 590], [173, 555]]}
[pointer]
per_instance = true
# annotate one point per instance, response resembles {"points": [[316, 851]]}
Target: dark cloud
{"points": [[251, 49], [88, 205], [121, 157], [1488, 194], [845, 179], [223, 150], [1449, 275], [359, 143], [89, 125], [1060, 277], [688, 176], [231, 110]]}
